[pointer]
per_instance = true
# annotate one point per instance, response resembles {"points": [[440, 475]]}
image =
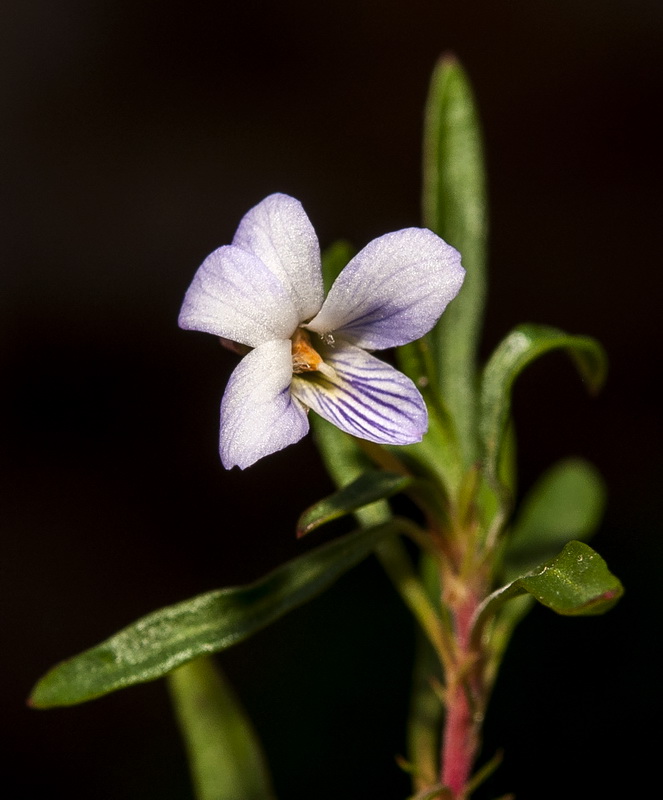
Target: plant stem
{"points": [[465, 700]]}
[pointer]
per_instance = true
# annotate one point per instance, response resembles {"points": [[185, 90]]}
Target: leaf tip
{"points": [[606, 600], [305, 523], [36, 699], [447, 59]]}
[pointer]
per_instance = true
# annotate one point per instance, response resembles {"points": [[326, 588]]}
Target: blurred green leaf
{"points": [[416, 361], [523, 345], [344, 459], [566, 503], [161, 641], [334, 259], [367, 488], [577, 582], [437, 456], [454, 207], [345, 462], [437, 792], [225, 756]]}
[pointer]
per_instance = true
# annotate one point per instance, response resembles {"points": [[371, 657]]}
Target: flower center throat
{"points": [[305, 358]]}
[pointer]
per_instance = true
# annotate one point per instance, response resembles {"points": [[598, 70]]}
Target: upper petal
{"points": [[258, 413], [393, 291], [235, 296], [367, 397], [280, 234]]}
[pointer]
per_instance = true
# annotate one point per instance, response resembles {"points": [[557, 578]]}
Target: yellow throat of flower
{"points": [[305, 358]]}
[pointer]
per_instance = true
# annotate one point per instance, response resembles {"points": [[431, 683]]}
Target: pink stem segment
{"points": [[461, 728]]}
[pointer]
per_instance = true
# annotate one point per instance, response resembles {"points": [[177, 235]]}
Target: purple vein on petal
{"points": [[368, 398]]}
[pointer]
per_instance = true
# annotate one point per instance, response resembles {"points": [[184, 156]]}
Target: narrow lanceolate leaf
{"points": [[523, 345], [454, 207], [367, 488], [577, 582], [566, 503], [161, 641], [225, 756]]}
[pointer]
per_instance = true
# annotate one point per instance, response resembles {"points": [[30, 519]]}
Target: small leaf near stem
{"points": [[577, 582], [484, 773], [520, 348], [566, 503], [368, 488]]}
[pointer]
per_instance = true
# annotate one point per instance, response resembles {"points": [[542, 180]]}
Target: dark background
{"points": [[134, 134]]}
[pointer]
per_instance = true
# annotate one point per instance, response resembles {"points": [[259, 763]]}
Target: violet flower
{"points": [[265, 291]]}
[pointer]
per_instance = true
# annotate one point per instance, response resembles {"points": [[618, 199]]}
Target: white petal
{"points": [[393, 291], [258, 413], [280, 234], [235, 296], [367, 398]]}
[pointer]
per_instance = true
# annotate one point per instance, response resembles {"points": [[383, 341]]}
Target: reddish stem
{"points": [[460, 741]]}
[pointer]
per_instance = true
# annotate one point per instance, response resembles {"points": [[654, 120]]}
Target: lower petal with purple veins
{"points": [[366, 398]]}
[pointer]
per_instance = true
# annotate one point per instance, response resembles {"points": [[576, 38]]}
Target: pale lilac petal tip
{"points": [[367, 398], [258, 413], [393, 291], [280, 234], [233, 295]]}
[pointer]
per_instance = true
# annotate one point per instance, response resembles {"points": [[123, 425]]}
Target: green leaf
{"points": [[523, 345], [454, 206], [161, 641], [225, 756], [566, 503], [577, 582], [438, 455], [416, 361], [367, 488], [342, 456], [345, 462]]}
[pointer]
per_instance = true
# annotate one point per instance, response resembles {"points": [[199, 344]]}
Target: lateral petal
{"points": [[235, 296], [367, 397], [393, 291], [258, 413], [280, 234]]}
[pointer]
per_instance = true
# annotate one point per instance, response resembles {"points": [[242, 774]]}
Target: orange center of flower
{"points": [[305, 358]]}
